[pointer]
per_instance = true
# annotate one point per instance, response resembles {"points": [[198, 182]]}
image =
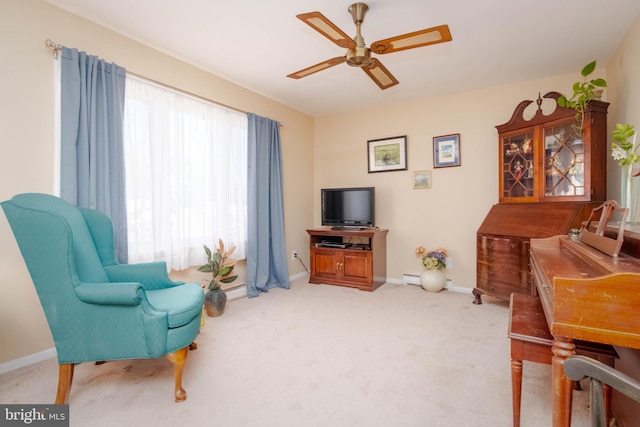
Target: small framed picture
{"points": [[421, 179], [387, 154], [446, 151]]}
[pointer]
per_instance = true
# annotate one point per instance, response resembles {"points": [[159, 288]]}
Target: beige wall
{"points": [[26, 120]]}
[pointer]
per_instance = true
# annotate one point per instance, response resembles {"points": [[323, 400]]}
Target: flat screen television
{"points": [[348, 207]]}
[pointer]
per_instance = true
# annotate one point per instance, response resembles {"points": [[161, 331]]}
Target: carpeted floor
{"points": [[319, 355]]}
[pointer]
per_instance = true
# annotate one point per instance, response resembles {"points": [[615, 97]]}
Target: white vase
{"points": [[432, 280], [630, 181]]}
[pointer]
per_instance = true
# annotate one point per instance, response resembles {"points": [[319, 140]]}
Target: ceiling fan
{"points": [[358, 55]]}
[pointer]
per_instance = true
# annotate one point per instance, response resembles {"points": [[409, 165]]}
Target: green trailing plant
{"points": [[583, 92], [219, 265], [623, 148]]}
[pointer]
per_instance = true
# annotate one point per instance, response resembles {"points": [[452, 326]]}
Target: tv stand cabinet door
{"points": [[357, 267], [325, 265]]}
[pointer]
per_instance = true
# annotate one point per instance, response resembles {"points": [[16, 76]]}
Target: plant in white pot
{"points": [[583, 92], [221, 269]]}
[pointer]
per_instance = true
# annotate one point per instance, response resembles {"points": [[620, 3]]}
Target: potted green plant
{"points": [[583, 92], [221, 269]]}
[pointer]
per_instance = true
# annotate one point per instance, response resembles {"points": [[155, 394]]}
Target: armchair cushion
{"points": [[181, 303]]}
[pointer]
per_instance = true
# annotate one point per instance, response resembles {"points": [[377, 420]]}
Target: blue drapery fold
{"points": [[92, 173], [266, 252]]}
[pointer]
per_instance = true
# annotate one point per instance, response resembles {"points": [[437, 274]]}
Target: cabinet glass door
{"points": [[518, 165], [564, 161]]}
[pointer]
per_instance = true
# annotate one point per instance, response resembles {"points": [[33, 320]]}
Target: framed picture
{"points": [[388, 154], [446, 151], [422, 179]]}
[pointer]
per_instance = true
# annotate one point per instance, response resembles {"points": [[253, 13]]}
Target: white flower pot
{"points": [[432, 280]]}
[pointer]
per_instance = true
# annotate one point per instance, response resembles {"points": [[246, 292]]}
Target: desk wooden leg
{"points": [[562, 386]]}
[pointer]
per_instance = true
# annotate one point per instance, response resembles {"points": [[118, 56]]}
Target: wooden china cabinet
{"points": [[550, 177]]}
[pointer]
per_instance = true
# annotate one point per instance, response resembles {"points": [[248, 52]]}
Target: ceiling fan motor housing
{"points": [[358, 56]]}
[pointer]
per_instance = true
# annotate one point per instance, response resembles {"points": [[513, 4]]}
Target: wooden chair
{"points": [[532, 341], [579, 367]]}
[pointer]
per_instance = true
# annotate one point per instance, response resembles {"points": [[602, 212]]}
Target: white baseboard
{"points": [[12, 365], [240, 291], [298, 276], [414, 280]]}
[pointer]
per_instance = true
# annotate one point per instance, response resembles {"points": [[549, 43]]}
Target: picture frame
{"points": [[446, 151], [387, 154], [421, 180]]}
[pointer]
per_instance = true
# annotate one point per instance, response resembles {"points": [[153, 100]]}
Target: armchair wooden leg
{"points": [[178, 359], [65, 378]]}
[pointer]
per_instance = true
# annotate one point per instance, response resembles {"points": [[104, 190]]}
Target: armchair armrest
{"points": [[152, 275], [110, 293]]}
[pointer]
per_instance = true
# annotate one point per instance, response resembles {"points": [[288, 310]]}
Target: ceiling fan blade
{"points": [[321, 24], [379, 74], [439, 34], [318, 67]]}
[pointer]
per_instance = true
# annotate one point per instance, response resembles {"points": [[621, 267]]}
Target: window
{"points": [[186, 169]]}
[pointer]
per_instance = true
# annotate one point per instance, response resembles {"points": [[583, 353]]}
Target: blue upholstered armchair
{"points": [[97, 309]]}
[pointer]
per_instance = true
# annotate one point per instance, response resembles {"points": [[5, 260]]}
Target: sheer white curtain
{"points": [[186, 169]]}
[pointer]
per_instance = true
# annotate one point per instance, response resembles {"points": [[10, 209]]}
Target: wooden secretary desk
{"points": [[549, 180]]}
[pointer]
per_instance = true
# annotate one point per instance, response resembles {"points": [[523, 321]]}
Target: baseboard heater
{"points": [[411, 279], [236, 291]]}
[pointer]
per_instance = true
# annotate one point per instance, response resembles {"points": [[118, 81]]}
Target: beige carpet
{"points": [[319, 355]]}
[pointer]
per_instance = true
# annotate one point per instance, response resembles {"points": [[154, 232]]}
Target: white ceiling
{"points": [[256, 43]]}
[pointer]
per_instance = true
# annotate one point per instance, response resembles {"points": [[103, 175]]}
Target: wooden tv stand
{"points": [[355, 258]]}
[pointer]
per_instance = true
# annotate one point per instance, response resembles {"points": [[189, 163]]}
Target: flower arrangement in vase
{"points": [[432, 259], [432, 279]]}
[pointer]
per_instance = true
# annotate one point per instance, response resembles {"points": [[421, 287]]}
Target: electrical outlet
{"points": [[294, 255]]}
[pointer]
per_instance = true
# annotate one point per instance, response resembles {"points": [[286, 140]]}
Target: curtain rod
{"points": [[58, 47], [53, 46]]}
